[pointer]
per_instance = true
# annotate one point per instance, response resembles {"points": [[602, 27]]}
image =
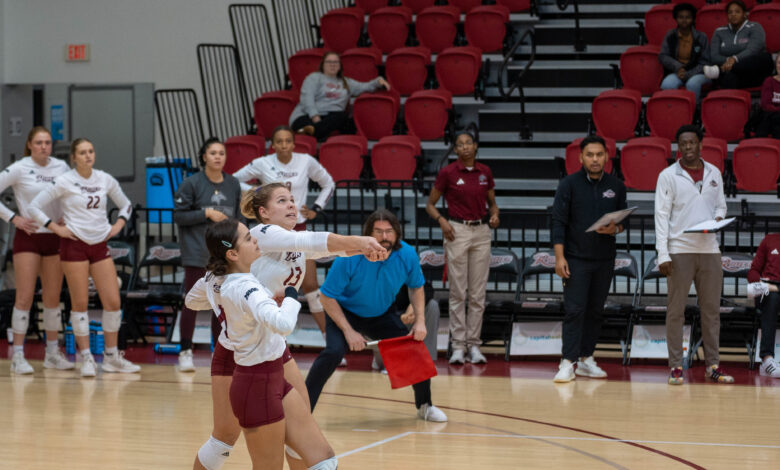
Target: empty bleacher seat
{"points": [[241, 150], [757, 164], [370, 5], [711, 17], [407, 69], [725, 112], [516, 5], [642, 160], [375, 114], [668, 110], [696, 3], [573, 152], [361, 63], [388, 27], [427, 113], [395, 157], [616, 113], [302, 63], [342, 156], [417, 5], [659, 20], [437, 27], [465, 5], [640, 69], [485, 27], [341, 28], [768, 16], [273, 109], [458, 68]]}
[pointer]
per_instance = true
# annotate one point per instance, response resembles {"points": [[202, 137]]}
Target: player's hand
{"points": [[279, 297], [214, 215], [610, 229], [446, 229], [355, 340], [22, 223], [665, 268], [418, 332], [372, 250], [562, 267], [306, 212]]}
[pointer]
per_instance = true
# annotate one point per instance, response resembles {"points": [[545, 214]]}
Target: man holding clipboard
{"points": [[688, 193], [584, 258]]}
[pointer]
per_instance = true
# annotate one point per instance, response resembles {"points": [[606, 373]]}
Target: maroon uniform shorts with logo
{"points": [[44, 244], [257, 391], [77, 250], [223, 365]]}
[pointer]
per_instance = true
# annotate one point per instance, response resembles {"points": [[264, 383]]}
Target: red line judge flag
{"points": [[406, 360]]}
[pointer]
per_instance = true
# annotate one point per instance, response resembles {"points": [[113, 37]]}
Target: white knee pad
{"points": [[292, 453], [327, 464], [80, 323], [112, 321], [313, 299], [213, 454], [51, 319], [20, 321]]}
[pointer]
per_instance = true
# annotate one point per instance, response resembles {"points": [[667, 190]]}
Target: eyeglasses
{"points": [[384, 232]]}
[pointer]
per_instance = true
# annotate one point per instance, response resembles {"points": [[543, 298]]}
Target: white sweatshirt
{"points": [[84, 204], [28, 179], [679, 204]]}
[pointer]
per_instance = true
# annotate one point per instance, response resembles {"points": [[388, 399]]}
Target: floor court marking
{"points": [[374, 444]]}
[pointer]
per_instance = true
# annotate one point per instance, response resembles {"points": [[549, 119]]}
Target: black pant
{"points": [[387, 325], [584, 294], [769, 307], [329, 123], [769, 125], [748, 72]]}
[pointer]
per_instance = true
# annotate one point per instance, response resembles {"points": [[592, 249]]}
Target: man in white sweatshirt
{"points": [[689, 192]]}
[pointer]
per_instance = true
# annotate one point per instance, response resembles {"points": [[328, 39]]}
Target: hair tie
{"points": [[227, 244], [258, 188]]}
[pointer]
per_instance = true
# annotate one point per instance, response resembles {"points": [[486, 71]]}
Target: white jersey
{"points": [[296, 174], [253, 325], [28, 179], [84, 203]]}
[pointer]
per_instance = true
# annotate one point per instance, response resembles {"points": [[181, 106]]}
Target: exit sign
{"points": [[77, 53]]}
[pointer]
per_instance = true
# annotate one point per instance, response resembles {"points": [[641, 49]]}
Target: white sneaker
{"points": [[757, 289], [565, 372], [430, 413], [458, 356], [57, 361], [185, 361], [589, 368], [118, 363], [19, 364], [88, 366], [343, 362], [476, 356], [712, 72], [770, 368], [375, 366]]}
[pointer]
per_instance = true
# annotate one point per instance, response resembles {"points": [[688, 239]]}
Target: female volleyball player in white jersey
{"points": [[35, 249], [283, 252], [295, 170], [83, 193]]}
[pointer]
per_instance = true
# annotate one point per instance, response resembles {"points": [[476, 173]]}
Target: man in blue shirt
{"points": [[359, 298]]}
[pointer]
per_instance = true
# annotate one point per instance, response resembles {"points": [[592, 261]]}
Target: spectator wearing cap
{"points": [[585, 260], [468, 189], [684, 53]]}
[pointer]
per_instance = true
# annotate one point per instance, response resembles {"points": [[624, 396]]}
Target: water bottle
{"points": [[167, 348], [70, 341]]}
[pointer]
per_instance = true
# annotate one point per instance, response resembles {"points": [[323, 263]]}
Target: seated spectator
{"points": [[738, 51], [766, 267], [684, 53], [325, 95], [770, 105]]}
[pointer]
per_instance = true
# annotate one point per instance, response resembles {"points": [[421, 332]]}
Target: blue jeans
{"points": [[694, 84]]}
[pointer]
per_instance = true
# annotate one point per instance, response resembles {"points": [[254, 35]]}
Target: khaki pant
{"points": [[704, 270], [468, 263]]}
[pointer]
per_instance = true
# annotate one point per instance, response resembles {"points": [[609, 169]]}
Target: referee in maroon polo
{"points": [[467, 186]]}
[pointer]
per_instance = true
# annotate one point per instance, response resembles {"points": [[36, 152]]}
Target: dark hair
{"points": [[252, 201], [593, 139], [220, 237], [340, 74], [204, 148], [684, 7], [386, 215], [739, 3], [280, 129], [35, 130], [689, 128]]}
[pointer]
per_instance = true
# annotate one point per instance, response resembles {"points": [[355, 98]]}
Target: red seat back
{"points": [[388, 27], [714, 151], [407, 69], [342, 156], [341, 28], [426, 113], [436, 27], [711, 17], [668, 110], [725, 112], [375, 114], [465, 5], [361, 63], [768, 16], [417, 5], [457, 69], [302, 63], [516, 5], [757, 164], [573, 152], [303, 144], [394, 158], [486, 27], [640, 69], [370, 5], [642, 160], [696, 3], [616, 112], [273, 109], [659, 20], [241, 150]]}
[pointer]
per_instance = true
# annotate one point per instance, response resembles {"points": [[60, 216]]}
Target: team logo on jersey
{"points": [[44, 179], [31, 172], [609, 194], [774, 252], [460, 181], [265, 227], [179, 200], [218, 197], [483, 180], [88, 189], [249, 292], [292, 256]]}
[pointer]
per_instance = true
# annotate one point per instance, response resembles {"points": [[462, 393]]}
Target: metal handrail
{"points": [[525, 130], [579, 43]]}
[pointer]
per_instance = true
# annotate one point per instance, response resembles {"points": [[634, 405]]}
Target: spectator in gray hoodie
{"points": [[684, 53], [738, 51], [325, 96]]}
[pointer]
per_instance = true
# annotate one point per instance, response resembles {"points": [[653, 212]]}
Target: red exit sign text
{"points": [[77, 53]]}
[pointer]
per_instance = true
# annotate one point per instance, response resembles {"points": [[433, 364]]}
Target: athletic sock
{"points": [[111, 351], [18, 348], [52, 346], [85, 353]]}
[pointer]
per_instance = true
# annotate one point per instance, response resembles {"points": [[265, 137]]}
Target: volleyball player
{"points": [[83, 193], [35, 249]]}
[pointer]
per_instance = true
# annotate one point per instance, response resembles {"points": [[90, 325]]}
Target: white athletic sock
{"points": [[111, 351], [85, 353], [18, 348], [52, 346]]}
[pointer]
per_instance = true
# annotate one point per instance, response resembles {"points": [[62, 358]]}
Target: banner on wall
{"points": [[57, 121], [649, 341], [536, 338]]}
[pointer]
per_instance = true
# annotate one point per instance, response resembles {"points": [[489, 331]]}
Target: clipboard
{"points": [[710, 226], [609, 217]]}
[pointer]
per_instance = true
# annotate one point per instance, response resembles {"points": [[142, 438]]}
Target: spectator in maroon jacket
{"points": [[770, 105], [766, 267]]}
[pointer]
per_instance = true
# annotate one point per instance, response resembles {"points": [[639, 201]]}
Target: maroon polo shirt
{"points": [[465, 190], [766, 263]]}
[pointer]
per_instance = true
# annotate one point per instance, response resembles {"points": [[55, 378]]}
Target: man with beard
{"points": [[359, 299]]}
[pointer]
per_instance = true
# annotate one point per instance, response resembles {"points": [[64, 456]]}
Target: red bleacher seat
{"points": [[725, 112], [573, 163], [757, 164], [616, 113], [342, 156], [696, 3], [302, 63], [642, 160], [417, 5], [516, 5], [303, 144], [457, 69], [341, 28], [667, 110], [713, 150], [465, 5], [658, 21], [437, 27], [370, 5], [768, 16], [273, 109], [375, 114], [395, 157], [749, 4], [426, 113], [241, 150], [640, 69], [388, 27], [711, 17], [361, 63], [486, 27], [407, 69]]}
